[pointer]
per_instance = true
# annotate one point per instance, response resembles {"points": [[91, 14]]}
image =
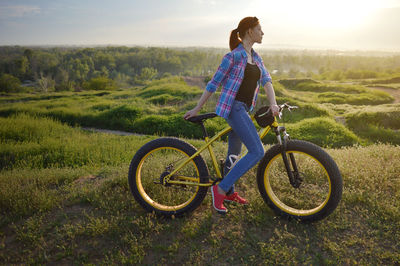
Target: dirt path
{"points": [[108, 131], [195, 81], [394, 92]]}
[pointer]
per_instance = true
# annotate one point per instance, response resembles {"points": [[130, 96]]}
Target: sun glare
{"points": [[339, 14]]}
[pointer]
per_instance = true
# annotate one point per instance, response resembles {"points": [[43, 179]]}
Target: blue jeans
{"points": [[244, 132]]}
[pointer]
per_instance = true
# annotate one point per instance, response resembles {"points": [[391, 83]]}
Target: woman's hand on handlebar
{"points": [[274, 109]]}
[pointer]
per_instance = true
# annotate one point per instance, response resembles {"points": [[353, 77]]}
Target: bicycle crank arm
{"points": [[190, 183]]}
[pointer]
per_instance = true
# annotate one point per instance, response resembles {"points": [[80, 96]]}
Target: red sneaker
{"points": [[236, 198], [218, 200]]}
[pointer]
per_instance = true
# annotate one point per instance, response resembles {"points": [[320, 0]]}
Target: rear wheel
{"points": [[316, 189], [153, 162]]}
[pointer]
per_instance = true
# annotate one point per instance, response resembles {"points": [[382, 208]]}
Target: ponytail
{"points": [[234, 39], [238, 34]]}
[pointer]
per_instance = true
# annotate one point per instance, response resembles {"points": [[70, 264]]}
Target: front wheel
{"points": [[315, 190]]}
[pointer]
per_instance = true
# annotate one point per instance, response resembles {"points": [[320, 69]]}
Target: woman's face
{"points": [[256, 34]]}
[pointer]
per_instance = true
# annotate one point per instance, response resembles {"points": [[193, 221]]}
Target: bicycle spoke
{"points": [[160, 163], [314, 186]]}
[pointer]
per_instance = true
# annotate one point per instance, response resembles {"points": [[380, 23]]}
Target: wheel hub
{"points": [[297, 180], [162, 179]]}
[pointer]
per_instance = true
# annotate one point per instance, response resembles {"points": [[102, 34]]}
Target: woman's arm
{"points": [[203, 99], [269, 90], [213, 84]]}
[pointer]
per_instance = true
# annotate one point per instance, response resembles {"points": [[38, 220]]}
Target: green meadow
{"points": [[65, 199]]}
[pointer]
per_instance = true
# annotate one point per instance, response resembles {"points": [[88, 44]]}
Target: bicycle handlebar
{"points": [[287, 106]]}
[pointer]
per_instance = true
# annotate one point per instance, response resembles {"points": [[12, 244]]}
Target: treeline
{"points": [[98, 68], [67, 68]]}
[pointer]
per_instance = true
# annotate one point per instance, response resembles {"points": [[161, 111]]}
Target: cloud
{"points": [[18, 11]]}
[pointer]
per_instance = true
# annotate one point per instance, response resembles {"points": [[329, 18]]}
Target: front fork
{"points": [[294, 176]]}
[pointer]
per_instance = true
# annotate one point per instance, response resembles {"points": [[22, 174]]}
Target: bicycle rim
{"points": [[149, 176], [313, 192]]}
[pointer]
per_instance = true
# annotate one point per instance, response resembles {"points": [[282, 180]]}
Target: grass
{"points": [[85, 214], [33, 142], [318, 92]]}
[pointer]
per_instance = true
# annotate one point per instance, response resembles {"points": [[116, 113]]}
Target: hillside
{"points": [[68, 202]]}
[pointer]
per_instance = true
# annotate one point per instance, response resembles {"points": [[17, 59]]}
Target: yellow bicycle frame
{"points": [[191, 181]]}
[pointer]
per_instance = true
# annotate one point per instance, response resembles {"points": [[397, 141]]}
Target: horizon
{"points": [[365, 26]]}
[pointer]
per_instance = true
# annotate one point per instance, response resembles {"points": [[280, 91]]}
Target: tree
{"points": [[22, 66], [46, 84], [146, 74], [9, 83]]}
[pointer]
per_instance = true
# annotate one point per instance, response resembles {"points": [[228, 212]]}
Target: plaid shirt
{"points": [[230, 75]]}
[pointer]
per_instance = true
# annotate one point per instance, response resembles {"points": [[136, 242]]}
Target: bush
{"points": [[387, 117], [173, 125], [165, 99], [9, 83], [322, 87], [146, 74], [360, 74], [305, 110], [376, 124], [121, 117], [174, 89], [384, 81], [292, 83], [99, 83], [324, 132], [375, 134], [372, 97]]}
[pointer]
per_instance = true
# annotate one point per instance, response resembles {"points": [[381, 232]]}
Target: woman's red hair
{"points": [[240, 31]]}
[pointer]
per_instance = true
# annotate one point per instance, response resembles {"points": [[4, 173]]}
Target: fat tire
{"points": [[187, 149], [324, 158]]}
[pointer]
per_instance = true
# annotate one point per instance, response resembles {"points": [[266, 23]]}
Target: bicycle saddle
{"points": [[201, 118]]}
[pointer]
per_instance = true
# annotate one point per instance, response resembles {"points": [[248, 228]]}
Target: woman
{"points": [[241, 73]]}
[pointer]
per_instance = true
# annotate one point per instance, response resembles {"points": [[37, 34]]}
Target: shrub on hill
{"points": [[293, 83], [170, 86], [120, 117], [324, 132], [378, 124], [373, 97], [165, 99], [100, 83], [305, 110], [174, 125], [383, 81]]}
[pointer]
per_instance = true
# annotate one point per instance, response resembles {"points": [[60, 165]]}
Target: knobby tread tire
{"points": [[324, 158], [187, 149]]}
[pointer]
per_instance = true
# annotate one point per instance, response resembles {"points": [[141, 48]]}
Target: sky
{"points": [[305, 24]]}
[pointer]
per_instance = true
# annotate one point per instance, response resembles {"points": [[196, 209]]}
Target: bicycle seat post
{"points": [[199, 119], [204, 129]]}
